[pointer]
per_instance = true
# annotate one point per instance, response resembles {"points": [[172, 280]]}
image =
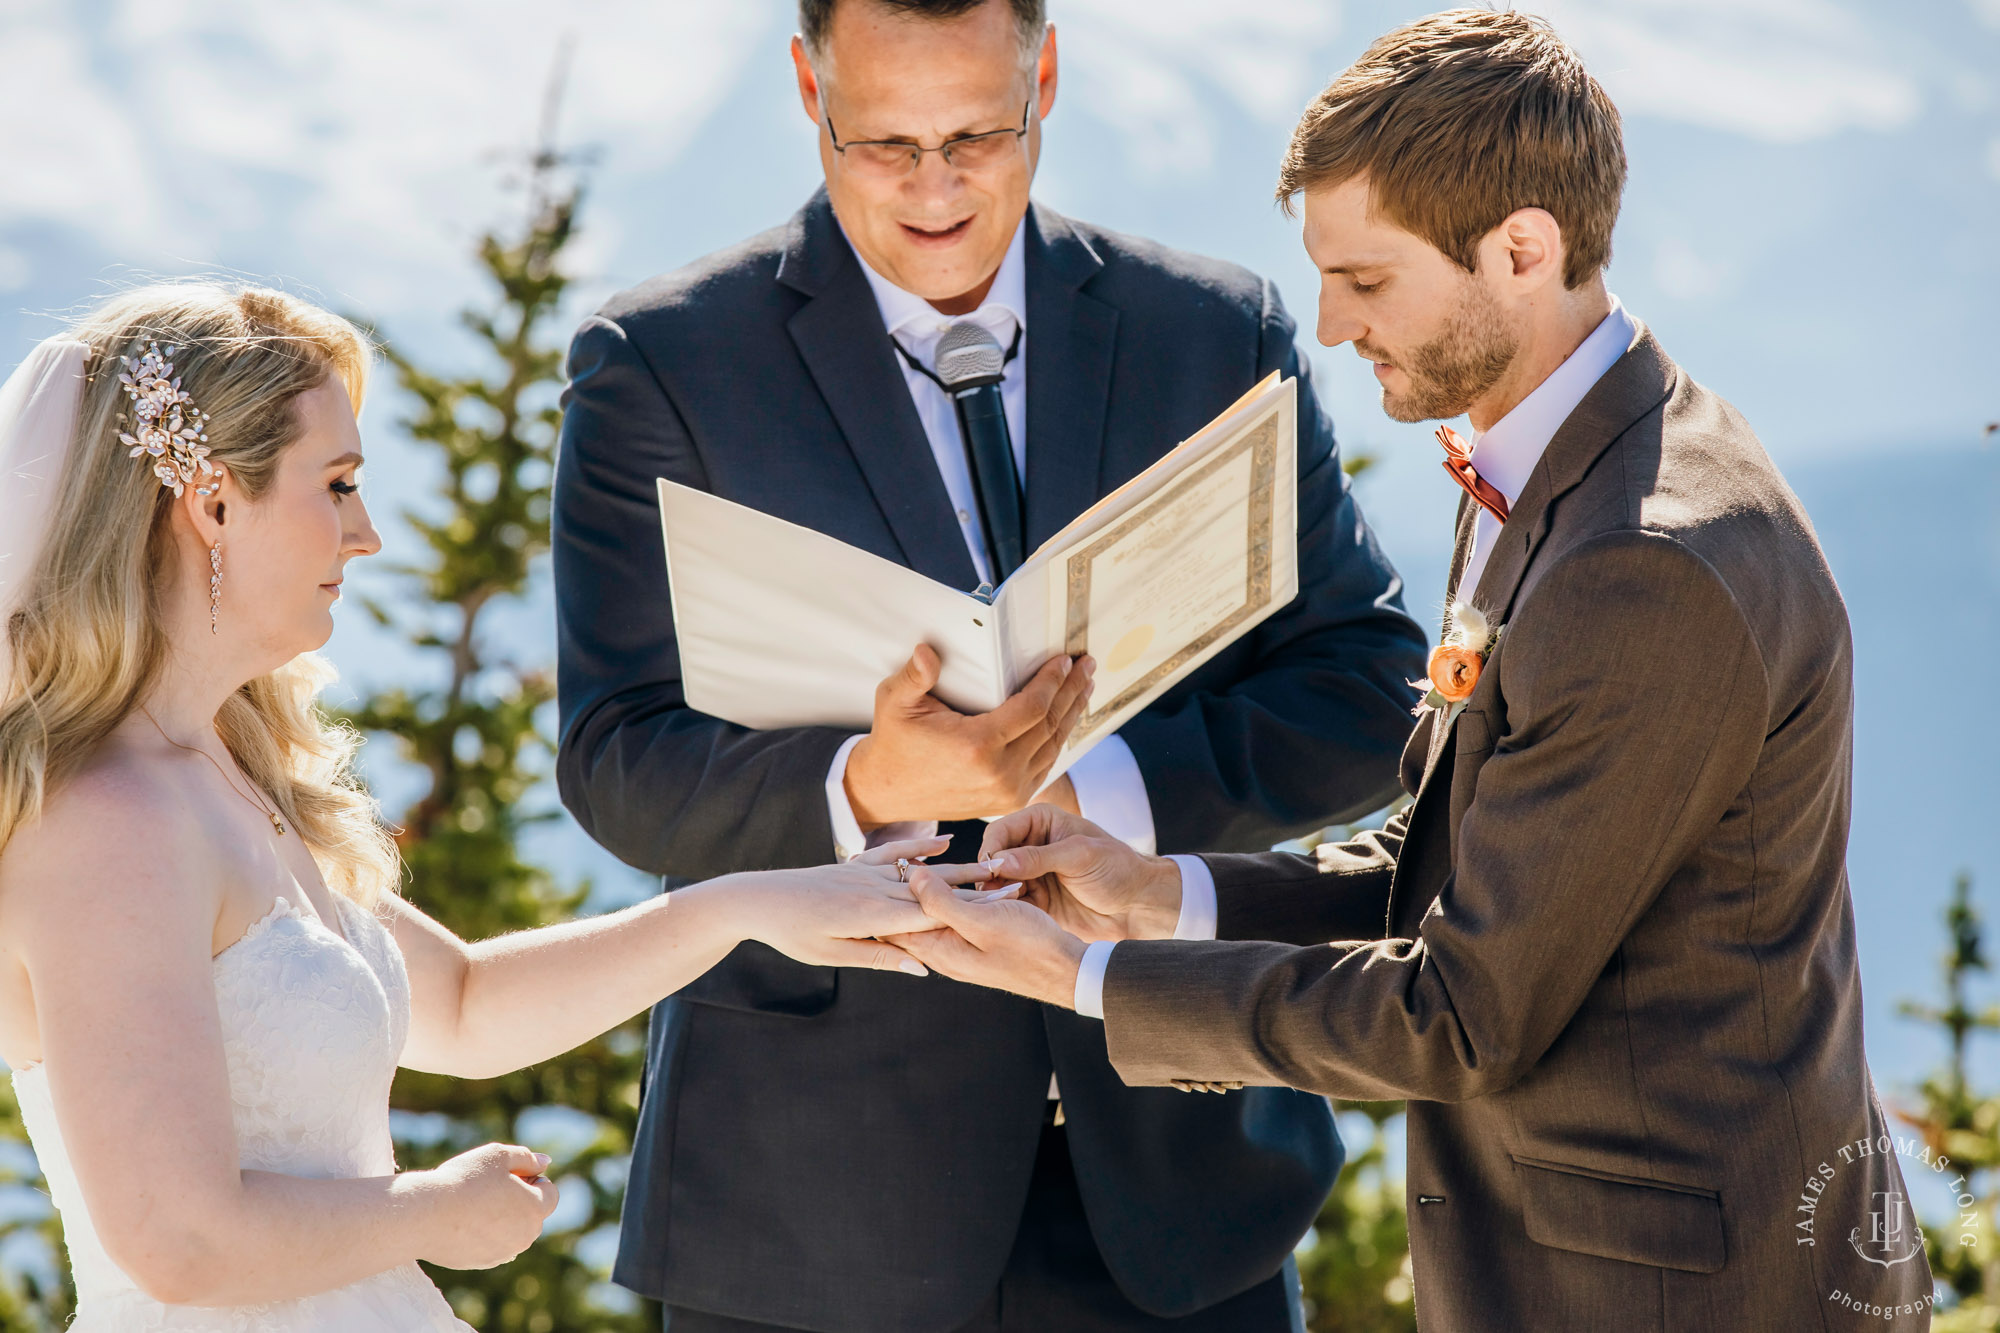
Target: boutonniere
{"points": [[1456, 663]]}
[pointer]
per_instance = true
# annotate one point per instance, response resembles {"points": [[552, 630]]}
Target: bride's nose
{"points": [[361, 537]]}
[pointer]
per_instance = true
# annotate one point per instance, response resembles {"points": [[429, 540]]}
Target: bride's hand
{"points": [[493, 1201], [831, 916]]}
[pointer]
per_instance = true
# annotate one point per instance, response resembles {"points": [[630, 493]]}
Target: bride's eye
{"points": [[345, 488]]}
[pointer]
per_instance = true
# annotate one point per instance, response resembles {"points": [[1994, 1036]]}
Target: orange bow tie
{"points": [[1458, 462]]}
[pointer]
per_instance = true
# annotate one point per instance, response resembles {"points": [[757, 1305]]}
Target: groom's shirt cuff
{"points": [[1090, 978], [1197, 922], [848, 839]]}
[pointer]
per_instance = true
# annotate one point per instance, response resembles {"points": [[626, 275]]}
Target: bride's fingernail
{"points": [[913, 967]]}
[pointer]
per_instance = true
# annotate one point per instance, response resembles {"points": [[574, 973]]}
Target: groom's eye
{"points": [[1366, 288]]}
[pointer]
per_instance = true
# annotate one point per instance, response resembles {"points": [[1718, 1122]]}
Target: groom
{"points": [[1608, 952], [868, 1152]]}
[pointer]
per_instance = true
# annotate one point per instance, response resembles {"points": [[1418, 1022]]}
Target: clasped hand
{"points": [[924, 760], [1062, 881]]}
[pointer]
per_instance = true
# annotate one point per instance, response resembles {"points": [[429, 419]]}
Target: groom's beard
{"points": [[1449, 373]]}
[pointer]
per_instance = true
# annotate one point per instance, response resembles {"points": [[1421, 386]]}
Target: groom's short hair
{"points": [[1030, 16], [1461, 118]]}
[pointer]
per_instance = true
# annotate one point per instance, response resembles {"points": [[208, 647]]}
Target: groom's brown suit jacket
{"points": [[1608, 953]]}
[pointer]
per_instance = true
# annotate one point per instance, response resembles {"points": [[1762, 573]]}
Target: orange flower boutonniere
{"points": [[1456, 663], [1454, 672]]}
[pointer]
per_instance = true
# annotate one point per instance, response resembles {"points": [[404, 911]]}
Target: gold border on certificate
{"points": [[1261, 441]]}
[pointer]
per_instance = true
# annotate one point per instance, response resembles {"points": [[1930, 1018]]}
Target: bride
{"points": [[206, 976]]}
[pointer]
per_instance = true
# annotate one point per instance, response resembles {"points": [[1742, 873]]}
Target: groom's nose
{"points": [[1337, 321]]}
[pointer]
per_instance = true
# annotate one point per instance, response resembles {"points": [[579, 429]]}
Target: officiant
{"points": [[869, 1152]]}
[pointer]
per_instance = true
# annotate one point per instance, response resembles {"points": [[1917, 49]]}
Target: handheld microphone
{"points": [[970, 366]]}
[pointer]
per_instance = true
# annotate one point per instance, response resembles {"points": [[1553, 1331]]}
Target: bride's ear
{"points": [[209, 515]]}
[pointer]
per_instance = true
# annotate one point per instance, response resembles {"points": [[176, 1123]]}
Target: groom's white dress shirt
{"points": [[1505, 455], [1109, 789]]}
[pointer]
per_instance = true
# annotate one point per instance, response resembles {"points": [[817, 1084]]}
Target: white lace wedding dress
{"points": [[312, 1026]]}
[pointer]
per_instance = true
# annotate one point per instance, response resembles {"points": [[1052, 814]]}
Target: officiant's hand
{"points": [[925, 760], [1092, 884]]}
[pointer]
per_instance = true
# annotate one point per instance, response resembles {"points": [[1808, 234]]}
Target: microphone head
{"points": [[968, 355]]}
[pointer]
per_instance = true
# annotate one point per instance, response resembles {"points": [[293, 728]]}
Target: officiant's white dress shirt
{"points": [[1109, 789], [1505, 455]]}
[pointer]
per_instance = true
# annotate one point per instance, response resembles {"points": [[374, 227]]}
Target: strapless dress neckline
{"points": [[313, 1023]]}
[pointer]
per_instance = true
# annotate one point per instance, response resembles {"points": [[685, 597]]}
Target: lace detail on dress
{"points": [[313, 1026]]}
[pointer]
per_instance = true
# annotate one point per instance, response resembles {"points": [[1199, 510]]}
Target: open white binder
{"points": [[782, 626]]}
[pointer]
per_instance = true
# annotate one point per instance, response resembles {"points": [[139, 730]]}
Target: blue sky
{"points": [[1810, 228]]}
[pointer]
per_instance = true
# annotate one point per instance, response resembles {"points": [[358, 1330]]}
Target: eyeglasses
{"points": [[899, 157]]}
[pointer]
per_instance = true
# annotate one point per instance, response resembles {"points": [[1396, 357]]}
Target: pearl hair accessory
{"points": [[171, 429]]}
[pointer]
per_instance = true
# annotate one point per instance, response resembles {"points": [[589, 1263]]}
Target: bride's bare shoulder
{"points": [[113, 835]]}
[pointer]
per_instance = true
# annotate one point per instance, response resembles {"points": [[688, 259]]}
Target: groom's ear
{"points": [[1526, 250]]}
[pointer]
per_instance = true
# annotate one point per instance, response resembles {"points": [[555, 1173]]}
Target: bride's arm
{"points": [[479, 1010], [115, 934]]}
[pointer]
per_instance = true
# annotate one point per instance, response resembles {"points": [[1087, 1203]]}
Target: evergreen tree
{"points": [[1963, 1126], [480, 734]]}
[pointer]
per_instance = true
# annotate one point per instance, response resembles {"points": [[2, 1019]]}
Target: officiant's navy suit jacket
{"points": [[850, 1150]]}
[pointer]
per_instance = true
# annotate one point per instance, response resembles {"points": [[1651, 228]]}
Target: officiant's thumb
{"points": [[919, 675]]}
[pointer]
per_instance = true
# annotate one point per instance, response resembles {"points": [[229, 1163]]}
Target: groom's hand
{"points": [[1092, 884], [923, 759], [993, 940]]}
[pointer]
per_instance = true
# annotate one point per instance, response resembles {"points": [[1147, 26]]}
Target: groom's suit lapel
{"points": [[1071, 338], [1637, 383], [839, 335], [1420, 754]]}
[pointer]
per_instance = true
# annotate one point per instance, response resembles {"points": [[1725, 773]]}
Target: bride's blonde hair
{"points": [[87, 639]]}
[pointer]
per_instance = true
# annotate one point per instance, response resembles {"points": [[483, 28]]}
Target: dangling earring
{"points": [[214, 586]]}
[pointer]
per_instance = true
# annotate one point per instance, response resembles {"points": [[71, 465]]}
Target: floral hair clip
{"points": [[171, 430]]}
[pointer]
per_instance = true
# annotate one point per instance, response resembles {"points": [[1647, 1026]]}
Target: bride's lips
{"points": [[333, 588], [936, 237]]}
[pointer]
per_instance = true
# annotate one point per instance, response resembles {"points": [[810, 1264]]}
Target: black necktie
{"points": [[990, 458]]}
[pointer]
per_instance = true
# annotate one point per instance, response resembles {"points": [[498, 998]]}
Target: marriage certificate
{"points": [[1176, 576], [782, 626]]}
